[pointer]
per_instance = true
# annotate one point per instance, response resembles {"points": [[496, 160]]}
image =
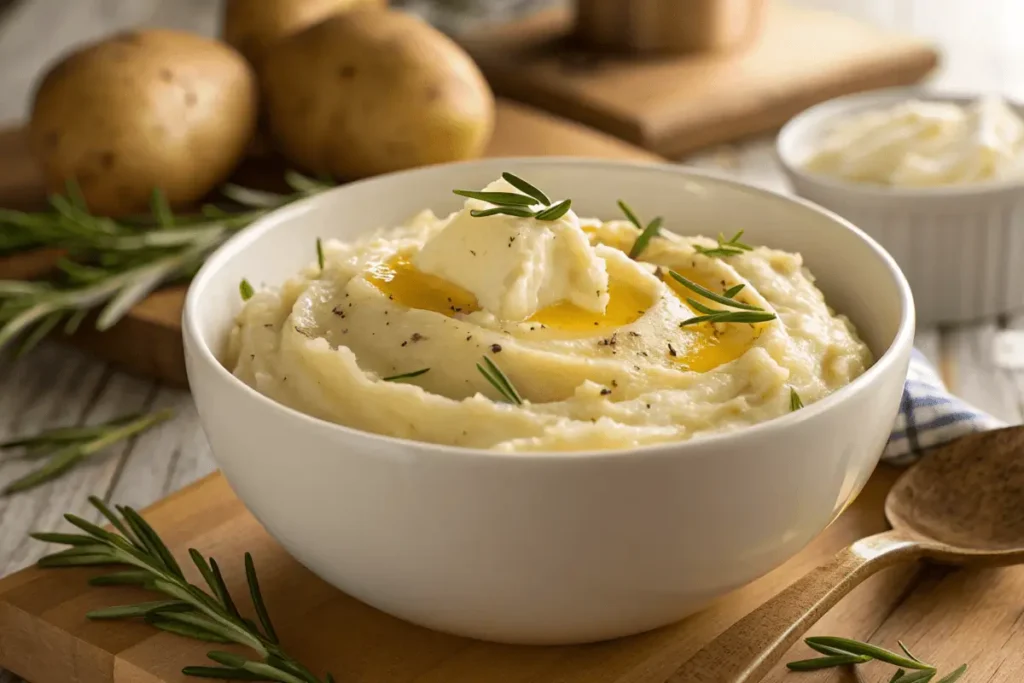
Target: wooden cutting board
{"points": [[148, 339], [673, 104], [944, 616]]}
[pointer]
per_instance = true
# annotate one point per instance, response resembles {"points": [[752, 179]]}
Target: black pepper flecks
{"points": [[404, 343], [671, 350], [495, 348], [269, 326], [468, 337], [615, 383], [605, 391], [648, 406], [416, 336], [340, 313], [472, 252], [634, 334]]}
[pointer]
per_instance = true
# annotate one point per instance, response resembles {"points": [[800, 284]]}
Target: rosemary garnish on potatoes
{"points": [[320, 254], [748, 313], [515, 204], [847, 652], [245, 289], [500, 381], [646, 233], [406, 375], [795, 402], [187, 609], [726, 247]]}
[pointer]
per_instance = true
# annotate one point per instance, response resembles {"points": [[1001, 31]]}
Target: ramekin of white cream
{"points": [[937, 179]]}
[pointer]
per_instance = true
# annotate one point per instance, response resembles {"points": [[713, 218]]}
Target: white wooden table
{"points": [[59, 385]]}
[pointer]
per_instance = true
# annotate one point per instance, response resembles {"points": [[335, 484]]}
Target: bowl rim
{"points": [[816, 116], [274, 220]]}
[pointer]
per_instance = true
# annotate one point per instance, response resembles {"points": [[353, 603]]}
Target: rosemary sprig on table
{"points": [[847, 652], [726, 247], [65, 447], [406, 375], [748, 313], [109, 265], [646, 233], [187, 609], [515, 204], [500, 381]]}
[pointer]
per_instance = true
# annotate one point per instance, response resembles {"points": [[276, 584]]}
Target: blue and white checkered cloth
{"points": [[930, 415]]}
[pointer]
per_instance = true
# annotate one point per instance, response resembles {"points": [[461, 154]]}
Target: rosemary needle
{"points": [[65, 447], [646, 233], [186, 609], [796, 403], [500, 381], [245, 289], [406, 375], [320, 254]]}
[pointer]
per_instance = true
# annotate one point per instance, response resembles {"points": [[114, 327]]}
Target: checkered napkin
{"points": [[930, 415]]}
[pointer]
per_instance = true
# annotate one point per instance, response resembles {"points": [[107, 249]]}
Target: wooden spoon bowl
{"points": [[962, 504], [967, 496]]}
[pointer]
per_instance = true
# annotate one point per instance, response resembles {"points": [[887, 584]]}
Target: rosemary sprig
{"points": [[515, 204], [726, 247], [112, 265], [748, 313], [65, 447], [500, 381], [187, 609], [406, 375], [844, 651], [796, 403], [646, 233]]}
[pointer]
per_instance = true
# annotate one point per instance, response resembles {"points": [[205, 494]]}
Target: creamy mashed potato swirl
{"points": [[595, 342]]}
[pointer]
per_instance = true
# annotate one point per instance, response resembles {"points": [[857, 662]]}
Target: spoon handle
{"points": [[750, 648]]}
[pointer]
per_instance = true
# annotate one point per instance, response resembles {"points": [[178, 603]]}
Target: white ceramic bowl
{"points": [[550, 547], [961, 247]]}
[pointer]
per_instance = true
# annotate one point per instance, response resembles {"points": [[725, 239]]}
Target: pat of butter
{"points": [[517, 266], [921, 144]]}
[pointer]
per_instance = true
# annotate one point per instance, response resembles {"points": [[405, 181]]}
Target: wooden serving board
{"points": [[674, 105], [947, 617], [148, 339]]}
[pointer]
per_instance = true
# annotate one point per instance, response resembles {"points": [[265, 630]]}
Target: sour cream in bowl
{"points": [[937, 178], [540, 524]]}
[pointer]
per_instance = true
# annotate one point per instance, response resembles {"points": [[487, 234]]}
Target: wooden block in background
{"points": [[673, 105]]}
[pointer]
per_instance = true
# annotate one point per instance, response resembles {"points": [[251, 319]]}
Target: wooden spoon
{"points": [[963, 504]]}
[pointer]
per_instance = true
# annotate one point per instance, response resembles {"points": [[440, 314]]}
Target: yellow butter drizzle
{"points": [[403, 283], [702, 347], [698, 348]]}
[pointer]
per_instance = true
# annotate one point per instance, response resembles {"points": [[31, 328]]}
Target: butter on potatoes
{"points": [[517, 266], [603, 348]]}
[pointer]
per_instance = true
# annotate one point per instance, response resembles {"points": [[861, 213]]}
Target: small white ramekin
{"points": [[961, 247]]}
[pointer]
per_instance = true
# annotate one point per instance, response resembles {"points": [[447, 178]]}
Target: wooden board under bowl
{"points": [[677, 104], [946, 617], [148, 339]]}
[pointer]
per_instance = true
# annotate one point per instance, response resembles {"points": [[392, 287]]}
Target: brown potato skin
{"points": [[369, 92], [140, 110], [251, 26]]}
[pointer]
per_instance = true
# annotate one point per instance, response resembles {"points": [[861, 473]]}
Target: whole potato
{"points": [[369, 92], [253, 25], [141, 110]]}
